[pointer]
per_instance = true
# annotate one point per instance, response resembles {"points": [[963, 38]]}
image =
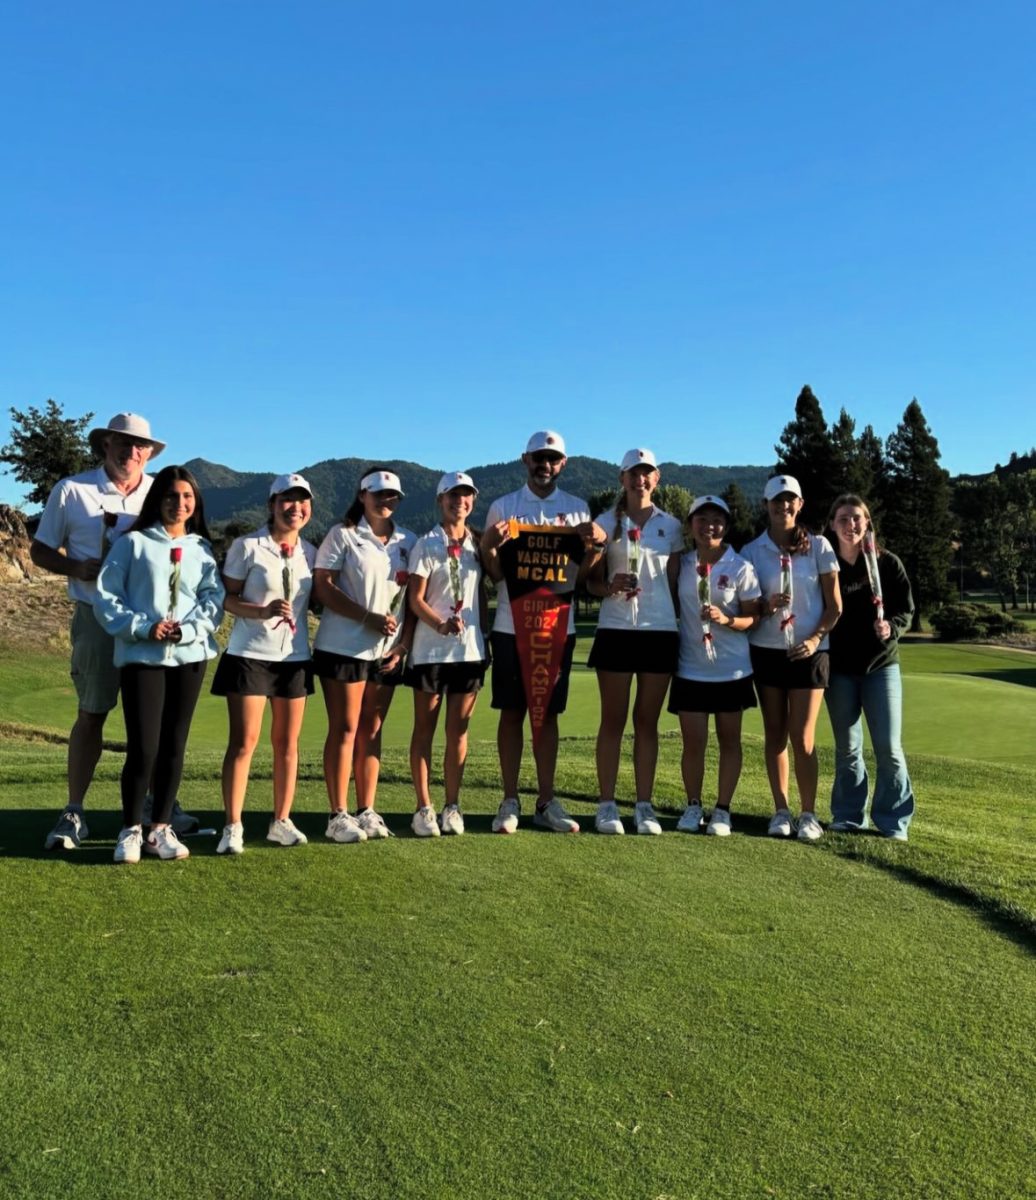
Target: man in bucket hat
{"points": [[83, 517]]}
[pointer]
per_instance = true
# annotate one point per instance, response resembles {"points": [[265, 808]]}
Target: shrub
{"points": [[964, 622]]}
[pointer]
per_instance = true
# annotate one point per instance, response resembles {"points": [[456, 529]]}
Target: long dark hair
{"points": [[151, 509], [355, 510]]}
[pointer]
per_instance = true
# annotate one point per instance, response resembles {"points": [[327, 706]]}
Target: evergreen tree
{"points": [[805, 451], [743, 517], [45, 447], [869, 480], [844, 452], [917, 524]]}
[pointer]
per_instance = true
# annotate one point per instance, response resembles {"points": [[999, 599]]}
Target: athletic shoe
{"points": [[450, 820], [372, 824], [506, 819], [423, 822], [719, 823], [894, 835], [644, 818], [163, 843], [844, 827], [608, 819], [233, 839], [690, 819], [341, 827], [284, 833], [127, 848], [554, 817], [810, 829], [181, 822], [782, 824], [69, 832]]}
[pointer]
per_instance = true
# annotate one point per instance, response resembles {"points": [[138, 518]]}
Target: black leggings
{"points": [[158, 703]]}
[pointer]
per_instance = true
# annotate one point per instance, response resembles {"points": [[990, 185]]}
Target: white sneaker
{"points": [[284, 833], [372, 824], [690, 819], [644, 818], [451, 821], [810, 829], [68, 832], [127, 848], [341, 827], [233, 839], [423, 822], [181, 822], [719, 823], [506, 819], [163, 843], [608, 819], [555, 818], [782, 824]]}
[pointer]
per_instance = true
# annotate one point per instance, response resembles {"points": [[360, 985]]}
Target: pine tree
{"points": [[742, 526], [870, 481], [805, 451], [46, 447], [844, 453], [918, 524]]}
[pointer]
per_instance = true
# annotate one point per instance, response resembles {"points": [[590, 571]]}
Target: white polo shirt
{"points": [[731, 580], [807, 596], [367, 572], [431, 561], [256, 560], [73, 520], [653, 608], [559, 508]]}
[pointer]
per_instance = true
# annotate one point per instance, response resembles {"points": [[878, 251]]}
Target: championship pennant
{"points": [[540, 564]]}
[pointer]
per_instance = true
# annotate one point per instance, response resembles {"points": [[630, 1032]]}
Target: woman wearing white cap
{"points": [[718, 596], [798, 575], [268, 576], [448, 657], [361, 576], [636, 635]]}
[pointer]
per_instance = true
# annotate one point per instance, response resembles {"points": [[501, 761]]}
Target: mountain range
{"points": [[240, 496]]}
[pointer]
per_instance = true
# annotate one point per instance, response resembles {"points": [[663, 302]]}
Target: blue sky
{"points": [[289, 232]]}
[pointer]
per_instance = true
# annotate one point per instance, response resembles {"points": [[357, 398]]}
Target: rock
{"points": [[15, 563]]}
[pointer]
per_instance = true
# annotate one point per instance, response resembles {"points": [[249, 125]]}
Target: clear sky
{"points": [[293, 231]]}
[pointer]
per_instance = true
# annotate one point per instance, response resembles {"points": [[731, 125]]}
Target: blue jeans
{"points": [[879, 698]]}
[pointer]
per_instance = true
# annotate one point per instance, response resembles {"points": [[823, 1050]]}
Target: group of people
{"points": [[682, 614]]}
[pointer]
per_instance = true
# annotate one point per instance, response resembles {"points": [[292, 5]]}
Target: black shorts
{"points": [[630, 651], [694, 696], [508, 689], [343, 669], [773, 668], [446, 679], [238, 675]]}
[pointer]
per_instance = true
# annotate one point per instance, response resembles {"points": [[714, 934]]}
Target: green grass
{"points": [[529, 1016]]}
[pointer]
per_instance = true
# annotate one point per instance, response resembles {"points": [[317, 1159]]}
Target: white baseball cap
{"points": [[128, 424], [780, 484], [709, 502], [455, 479], [381, 481], [288, 483], [546, 439], [638, 458]]}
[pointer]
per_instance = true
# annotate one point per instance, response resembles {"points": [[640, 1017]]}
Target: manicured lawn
{"points": [[540, 1015]]}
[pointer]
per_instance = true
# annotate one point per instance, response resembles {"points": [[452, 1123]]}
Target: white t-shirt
{"points": [[369, 573], [431, 561], [806, 593], [653, 608], [731, 580], [73, 520], [559, 508], [256, 559]]}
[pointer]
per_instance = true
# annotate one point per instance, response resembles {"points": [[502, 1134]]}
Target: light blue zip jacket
{"points": [[133, 593]]}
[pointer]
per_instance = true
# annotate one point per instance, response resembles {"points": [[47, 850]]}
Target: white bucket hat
{"points": [[129, 424]]}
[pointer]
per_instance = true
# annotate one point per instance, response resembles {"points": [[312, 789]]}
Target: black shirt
{"points": [[855, 648]]}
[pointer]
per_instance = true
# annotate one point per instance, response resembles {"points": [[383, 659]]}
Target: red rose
{"points": [[175, 554], [285, 550], [402, 578], [634, 534], [454, 550]]}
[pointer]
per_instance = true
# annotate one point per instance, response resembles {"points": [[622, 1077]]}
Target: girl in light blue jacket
{"points": [[160, 596]]}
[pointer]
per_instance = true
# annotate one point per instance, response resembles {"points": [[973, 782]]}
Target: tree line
{"points": [[941, 529]]}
